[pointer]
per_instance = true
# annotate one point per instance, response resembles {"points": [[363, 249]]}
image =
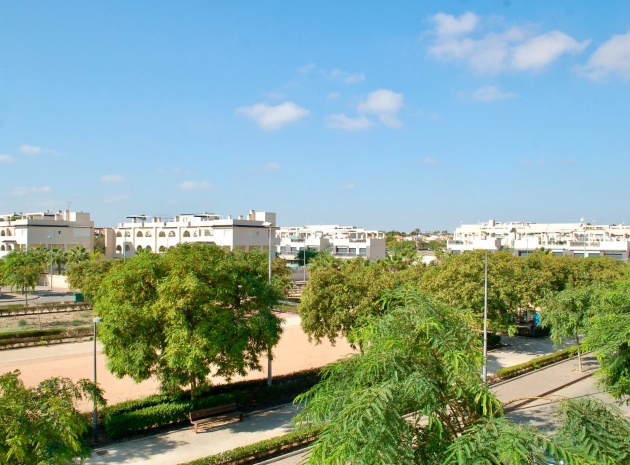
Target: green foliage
{"points": [[261, 450], [21, 269], [342, 295], [420, 356], [304, 257], [181, 316], [281, 275], [77, 254], [609, 336], [87, 275], [42, 425], [533, 364]]}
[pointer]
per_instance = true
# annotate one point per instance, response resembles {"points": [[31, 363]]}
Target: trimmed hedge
{"points": [[261, 450], [44, 336], [156, 411], [47, 307], [533, 364]]}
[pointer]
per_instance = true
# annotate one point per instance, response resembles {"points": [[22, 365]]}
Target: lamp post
{"points": [[96, 320], [51, 234], [485, 321], [269, 354]]}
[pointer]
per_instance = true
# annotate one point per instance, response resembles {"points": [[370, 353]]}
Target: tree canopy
{"points": [[21, 269], [194, 311], [41, 425]]}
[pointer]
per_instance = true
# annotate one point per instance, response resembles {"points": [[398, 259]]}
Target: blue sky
{"points": [[388, 115]]}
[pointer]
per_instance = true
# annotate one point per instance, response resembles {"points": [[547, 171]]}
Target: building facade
{"points": [[63, 229], [157, 234], [340, 241], [573, 239]]}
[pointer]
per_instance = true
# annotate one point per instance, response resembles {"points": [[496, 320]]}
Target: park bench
{"points": [[213, 414]]}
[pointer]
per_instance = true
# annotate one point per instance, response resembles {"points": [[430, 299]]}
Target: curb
{"points": [[520, 404]]}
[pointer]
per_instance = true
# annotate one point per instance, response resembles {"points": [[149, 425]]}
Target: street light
{"points": [[95, 320], [267, 224], [484, 372], [51, 234]]}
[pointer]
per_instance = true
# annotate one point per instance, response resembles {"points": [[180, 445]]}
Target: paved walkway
{"points": [[183, 445]]}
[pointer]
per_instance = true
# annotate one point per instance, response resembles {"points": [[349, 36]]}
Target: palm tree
{"points": [[77, 254], [59, 258]]}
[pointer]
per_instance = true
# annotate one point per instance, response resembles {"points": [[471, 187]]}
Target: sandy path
{"points": [[75, 361]]}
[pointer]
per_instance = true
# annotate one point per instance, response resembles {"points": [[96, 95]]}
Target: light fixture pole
{"points": [[485, 321], [269, 354], [96, 320], [51, 235]]}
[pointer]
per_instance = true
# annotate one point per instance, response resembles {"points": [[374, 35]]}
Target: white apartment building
{"points": [[63, 229], [158, 234], [341, 241], [574, 239]]}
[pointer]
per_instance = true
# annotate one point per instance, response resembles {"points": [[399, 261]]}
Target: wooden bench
{"points": [[209, 415]]}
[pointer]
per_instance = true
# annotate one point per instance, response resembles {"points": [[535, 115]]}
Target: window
{"points": [[2, 233], [171, 234], [139, 248], [127, 248], [186, 234], [148, 248], [118, 248], [162, 248], [162, 234], [148, 234], [118, 234], [139, 234], [2, 248], [81, 232], [127, 234]]}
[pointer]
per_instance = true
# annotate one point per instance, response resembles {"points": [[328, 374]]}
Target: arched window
{"points": [[162, 234], [139, 248], [8, 232], [148, 248], [148, 234], [2, 248], [127, 248], [118, 234], [118, 248], [195, 234], [139, 234], [171, 234], [9, 247], [186, 234], [162, 248], [2, 233], [127, 234]]}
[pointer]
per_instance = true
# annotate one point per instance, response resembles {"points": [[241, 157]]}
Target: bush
{"points": [[155, 411], [261, 450], [534, 364], [41, 336]]}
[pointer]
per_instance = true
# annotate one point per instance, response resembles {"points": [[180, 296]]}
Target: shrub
{"points": [[261, 450], [534, 364]]}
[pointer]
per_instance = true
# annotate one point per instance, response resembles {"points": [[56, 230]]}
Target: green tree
{"points": [[77, 254], [608, 334], [305, 256], [566, 314], [281, 275], [42, 425], [59, 258], [421, 357], [87, 276], [339, 297], [194, 311], [21, 270]]}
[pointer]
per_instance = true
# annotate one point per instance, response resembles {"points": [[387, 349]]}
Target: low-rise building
{"points": [[574, 239], [340, 241], [157, 234], [63, 229]]}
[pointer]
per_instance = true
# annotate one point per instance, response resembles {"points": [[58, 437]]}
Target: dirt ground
{"points": [[76, 360], [45, 321]]}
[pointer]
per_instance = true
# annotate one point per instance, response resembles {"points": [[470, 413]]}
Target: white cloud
{"points": [[168, 170], [30, 149], [333, 96], [195, 185], [271, 166], [429, 161], [513, 49], [346, 123], [612, 57], [113, 178], [271, 118], [333, 74], [385, 104], [347, 187], [448, 25], [22, 191], [540, 51], [491, 93], [6, 158]]}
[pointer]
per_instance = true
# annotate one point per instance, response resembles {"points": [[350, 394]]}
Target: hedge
{"points": [[261, 450], [136, 416], [533, 364], [44, 336], [47, 307]]}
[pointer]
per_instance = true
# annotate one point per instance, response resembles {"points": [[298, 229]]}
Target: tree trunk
{"points": [[193, 388], [579, 352]]}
